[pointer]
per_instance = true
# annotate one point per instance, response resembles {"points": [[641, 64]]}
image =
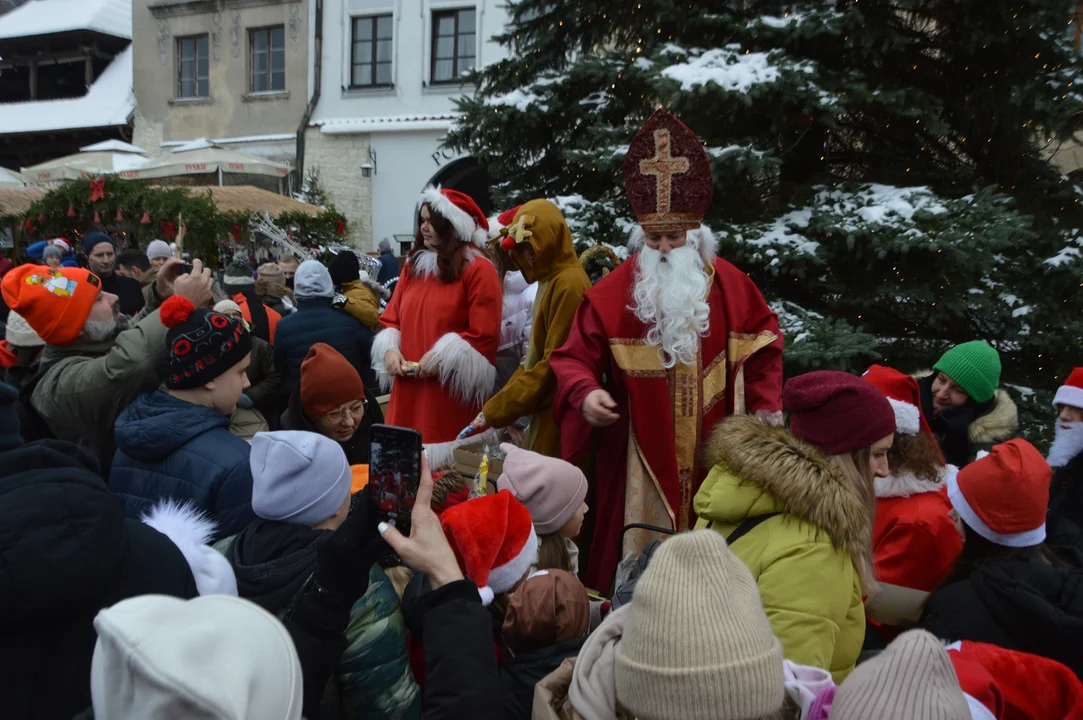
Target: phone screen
{"points": [[394, 473]]}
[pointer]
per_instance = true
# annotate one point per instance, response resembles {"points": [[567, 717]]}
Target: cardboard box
{"points": [[467, 460]]}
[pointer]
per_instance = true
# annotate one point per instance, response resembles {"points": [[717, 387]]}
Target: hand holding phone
{"points": [[394, 473]]}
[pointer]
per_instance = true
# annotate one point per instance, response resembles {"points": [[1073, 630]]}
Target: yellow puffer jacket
{"points": [[362, 302], [803, 558]]}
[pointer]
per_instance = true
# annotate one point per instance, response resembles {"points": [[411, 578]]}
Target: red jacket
{"points": [[914, 541]]}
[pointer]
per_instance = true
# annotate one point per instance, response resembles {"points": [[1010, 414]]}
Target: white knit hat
{"points": [[19, 332], [212, 657]]}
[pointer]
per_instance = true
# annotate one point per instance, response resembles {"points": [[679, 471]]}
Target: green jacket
{"points": [[84, 387], [803, 558]]}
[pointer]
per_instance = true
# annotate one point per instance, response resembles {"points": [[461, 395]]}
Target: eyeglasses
{"points": [[339, 415]]}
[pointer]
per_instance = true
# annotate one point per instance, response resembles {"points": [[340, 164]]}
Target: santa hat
{"points": [[904, 395], [1071, 392], [461, 211], [1003, 496], [494, 541], [502, 220], [64, 246]]}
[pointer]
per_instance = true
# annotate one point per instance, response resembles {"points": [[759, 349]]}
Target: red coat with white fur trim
{"points": [[460, 324], [915, 543]]}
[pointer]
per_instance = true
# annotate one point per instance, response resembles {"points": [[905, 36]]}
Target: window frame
{"points": [[456, 70], [179, 79], [268, 32], [372, 61]]}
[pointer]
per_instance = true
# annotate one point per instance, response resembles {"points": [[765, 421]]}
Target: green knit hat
{"points": [[973, 366]]}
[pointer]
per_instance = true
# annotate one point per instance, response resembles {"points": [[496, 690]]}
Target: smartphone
{"points": [[394, 473], [185, 269]]}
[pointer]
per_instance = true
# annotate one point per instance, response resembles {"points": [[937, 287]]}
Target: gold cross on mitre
{"points": [[663, 166], [518, 229]]}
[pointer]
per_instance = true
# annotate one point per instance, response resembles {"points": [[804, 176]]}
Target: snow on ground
{"points": [[44, 17], [725, 67]]}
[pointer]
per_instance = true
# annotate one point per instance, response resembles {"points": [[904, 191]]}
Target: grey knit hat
{"points": [[312, 280], [238, 274], [51, 250], [912, 680], [698, 645], [158, 249], [301, 478], [19, 332]]}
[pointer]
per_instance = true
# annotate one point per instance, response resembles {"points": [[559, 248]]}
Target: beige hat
{"points": [[912, 680], [227, 306], [698, 645], [19, 332], [272, 273], [212, 657]]}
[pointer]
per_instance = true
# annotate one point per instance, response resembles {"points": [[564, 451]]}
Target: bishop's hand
{"points": [[600, 409]]}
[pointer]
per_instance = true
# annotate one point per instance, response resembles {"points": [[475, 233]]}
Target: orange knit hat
{"points": [[328, 380], [54, 301]]}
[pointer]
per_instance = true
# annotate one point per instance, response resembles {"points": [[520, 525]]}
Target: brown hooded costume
{"points": [[562, 282]]}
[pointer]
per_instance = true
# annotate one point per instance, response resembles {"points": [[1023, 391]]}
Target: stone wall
{"points": [[338, 158]]}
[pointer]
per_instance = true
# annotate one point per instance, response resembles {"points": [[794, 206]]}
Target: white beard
{"points": [[1067, 444], [670, 298]]}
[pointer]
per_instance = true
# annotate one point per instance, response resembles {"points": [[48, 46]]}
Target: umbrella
{"points": [[203, 156], [105, 158], [11, 179]]}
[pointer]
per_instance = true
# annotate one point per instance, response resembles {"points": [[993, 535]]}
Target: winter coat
{"points": [[267, 388], [1064, 521], [128, 291], [84, 387], [914, 541], [274, 561], [520, 675], [358, 447], [389, 267], [517, 316], [990, 424], [316, 320], [1019, 605], [66, 552], [551, 701], [363, 302], [804, 558], [171, 448], [273, 316], [36, 251]]}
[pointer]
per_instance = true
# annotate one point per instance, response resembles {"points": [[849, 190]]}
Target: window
{"points": [[370, 61], [453, 41], [267, 69], [193, 67]]}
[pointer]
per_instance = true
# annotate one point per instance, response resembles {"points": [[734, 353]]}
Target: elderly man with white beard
{"points": [[662, 349], [1065, 520]]}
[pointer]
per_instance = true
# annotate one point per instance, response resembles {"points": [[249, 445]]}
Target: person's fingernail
{"points": [[382, 527]]}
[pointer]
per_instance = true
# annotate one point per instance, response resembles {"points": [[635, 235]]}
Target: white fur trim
{"points": [[386, 339], [487, 595], [442, 455], [702, 238], [503, 578], [1068, 395], [909, 484], [907, 417], [463, 370], [977, 710], [1014, 540], [424, 264], [466, 228], [190, 530]]}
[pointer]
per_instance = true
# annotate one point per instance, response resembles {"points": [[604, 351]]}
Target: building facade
{"points": [[390, 72], [232, 71]]}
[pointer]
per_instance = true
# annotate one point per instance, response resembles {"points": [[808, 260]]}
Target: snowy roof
{"points": [[390, 123], [109, 102], [45, 17], [113, 146]]}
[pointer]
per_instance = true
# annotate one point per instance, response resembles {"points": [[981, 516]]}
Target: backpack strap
{"points": [[746, 527]]}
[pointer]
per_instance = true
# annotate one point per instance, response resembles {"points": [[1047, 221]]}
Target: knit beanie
{"points": [[975, 367], [158, 249], [238, 276], [96, 238], [549, 608], [698, 645], [1003, 496], [55, 302], [912, 680], [1071, 392], [271, 273], [837, 412], [51, 250], [493, 539], [227, 306], [344, 267], [301, 478], [312, 281], [550, 488], [202, 344], [20, 334], [210, 657], [328, 380], [10, 431]]}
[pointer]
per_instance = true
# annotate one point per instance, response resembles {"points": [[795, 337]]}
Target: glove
{"points": [[343, 561], [244, 402]]}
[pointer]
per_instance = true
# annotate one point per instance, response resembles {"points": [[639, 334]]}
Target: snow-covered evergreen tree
{"points": [[879, 164]]}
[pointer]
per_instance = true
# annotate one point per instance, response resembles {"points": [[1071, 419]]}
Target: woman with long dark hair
{"points": [[442, 327]]}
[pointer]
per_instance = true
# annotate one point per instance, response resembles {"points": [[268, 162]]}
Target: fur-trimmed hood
{"points": [[796, 478], [275, 290], [377, 289], [907, 484], [996, 426]]}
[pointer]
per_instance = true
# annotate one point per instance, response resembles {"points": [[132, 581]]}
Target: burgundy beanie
{"points": [[837, 412]]}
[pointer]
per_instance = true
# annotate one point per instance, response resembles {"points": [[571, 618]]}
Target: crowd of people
{"points": [[670, 531]]}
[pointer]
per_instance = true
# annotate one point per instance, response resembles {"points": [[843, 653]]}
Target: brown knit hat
{"points": [[328, 380], [272, 273], [547, 609], [912, 680], [698, 645]]}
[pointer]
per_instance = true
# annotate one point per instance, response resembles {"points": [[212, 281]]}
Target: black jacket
{"points": [[523, 672], [66, 552], [1064, 522], [273, 561], [128, 291], [1026, 606], [389, 267], [357, 448], [316, 320]]}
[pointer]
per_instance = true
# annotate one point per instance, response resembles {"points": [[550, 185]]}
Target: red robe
{"points": [[460, 324], [739, 369]]}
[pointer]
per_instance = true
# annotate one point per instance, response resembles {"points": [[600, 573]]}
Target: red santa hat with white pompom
{"points": [[493, 539], [1071, 392], [904, 395], [459, 209]]}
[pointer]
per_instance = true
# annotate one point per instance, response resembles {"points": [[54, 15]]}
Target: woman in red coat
{"points": [[915, 541], [445, 316]]}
